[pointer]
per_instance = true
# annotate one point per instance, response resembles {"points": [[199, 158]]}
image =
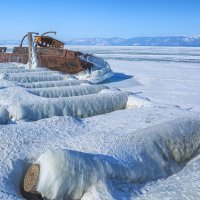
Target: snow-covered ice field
{"points": [[134, 136]]}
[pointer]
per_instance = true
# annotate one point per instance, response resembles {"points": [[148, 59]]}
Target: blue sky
{"points": [[100, 18]]}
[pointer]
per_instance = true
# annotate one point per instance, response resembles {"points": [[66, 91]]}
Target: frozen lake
{"points": [[168, 75]]}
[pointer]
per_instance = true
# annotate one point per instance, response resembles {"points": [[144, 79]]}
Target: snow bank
{"points": [[4, 115], [68, 91], [80, 106], [46, 84], [69, 174], [99, 72], [33, 78]]}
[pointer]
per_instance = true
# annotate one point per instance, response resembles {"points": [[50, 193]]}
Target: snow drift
{"points": [[55, 92], [69, 174], [80, 106], [46, 84]]}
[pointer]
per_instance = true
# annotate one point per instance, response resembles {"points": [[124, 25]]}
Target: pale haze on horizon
{"points": [[105, 18]]}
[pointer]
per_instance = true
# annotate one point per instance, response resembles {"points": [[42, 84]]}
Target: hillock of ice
{"points": [[69, 174]]}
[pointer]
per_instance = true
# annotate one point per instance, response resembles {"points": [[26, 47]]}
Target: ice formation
{"points": [[99, 72], [35, 63], [80, 106], [46, 84], [4, 115], [33, 77], [55, 92], [21, 70], [69, 174], [33, 73]]}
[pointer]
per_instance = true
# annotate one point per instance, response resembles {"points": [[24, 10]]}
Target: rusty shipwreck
{"points": [[50, 53]]}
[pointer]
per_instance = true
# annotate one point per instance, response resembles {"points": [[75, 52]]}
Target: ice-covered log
{"points": [[46, 84], [65, 174], [144, 155], [67, 91], [21, 70], [80, 106], [33, 78], [4, 115], [33, 73], [10, 66]]}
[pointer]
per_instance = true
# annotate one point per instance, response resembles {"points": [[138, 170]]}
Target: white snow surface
{"points": [[149, 151]]}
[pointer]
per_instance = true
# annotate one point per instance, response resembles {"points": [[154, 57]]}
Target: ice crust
{"points": [[69, 174], [79, 106], [55, 92]]}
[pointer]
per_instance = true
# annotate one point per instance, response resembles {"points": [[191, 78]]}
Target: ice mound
{"points": [[55, 92], [4, 115], [46, 84], [79, 106], [99, 72], [156, 152], [33, 77]]}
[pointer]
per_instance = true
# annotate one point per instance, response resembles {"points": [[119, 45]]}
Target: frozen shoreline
{"points": [[171, 87]]}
